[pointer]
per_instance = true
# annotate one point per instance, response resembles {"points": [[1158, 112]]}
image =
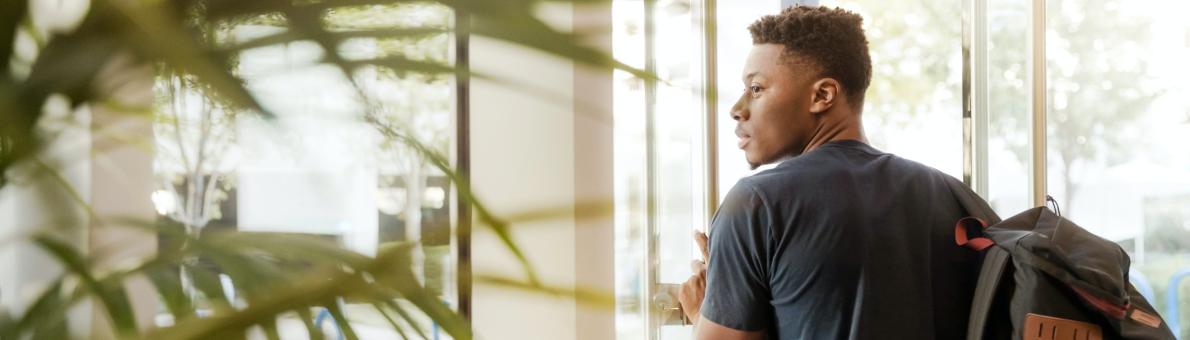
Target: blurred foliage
{"points": [[912, 48], [1167, 224], [274, 275], [1095, 64], [1095, 84]]}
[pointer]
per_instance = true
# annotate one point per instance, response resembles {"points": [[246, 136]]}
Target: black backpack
{"points": [[1044, 277]]}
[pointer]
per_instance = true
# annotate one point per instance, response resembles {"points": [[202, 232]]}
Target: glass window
{"points": [[1117, 114], [913, 107], [733, 44], [631, 173], [1118, 119], [1008, 116], [318, 168], [660, 157]]}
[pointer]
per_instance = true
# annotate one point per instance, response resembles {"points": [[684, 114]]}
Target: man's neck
{"points": [[849, 127]]}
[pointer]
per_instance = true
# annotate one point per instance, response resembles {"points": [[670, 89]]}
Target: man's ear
{"points": [[826, 93]]}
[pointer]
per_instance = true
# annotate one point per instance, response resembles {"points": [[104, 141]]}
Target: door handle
{"points": [[668, 309]]}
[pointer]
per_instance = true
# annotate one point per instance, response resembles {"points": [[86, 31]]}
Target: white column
{"points": [[522, 151], [121, 183], [594, 181], [1037, 101]]}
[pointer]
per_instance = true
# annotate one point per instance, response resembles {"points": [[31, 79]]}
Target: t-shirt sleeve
{"points": [[737, 293]]}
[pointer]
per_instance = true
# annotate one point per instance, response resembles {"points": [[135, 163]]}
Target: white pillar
{"points": [[122, 182]]}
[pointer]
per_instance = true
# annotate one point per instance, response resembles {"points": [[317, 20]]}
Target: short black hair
{"points": [[831, 38]]}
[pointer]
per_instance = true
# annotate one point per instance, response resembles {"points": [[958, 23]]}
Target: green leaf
{"points": [[517, 25], [400, 330], [11, 13], [255, 272], [341, 321], [287, 246], [270, 328], [45, 318], [275, 274], [485, 216], [291, 36], [207, 282], [169, 287], [155, 32], [308, 320], [413, 323], [402, 280], [114, 299], [586, 296], [8, 325], [450, 322], [401, 65], [309, 290], [69, 64]]}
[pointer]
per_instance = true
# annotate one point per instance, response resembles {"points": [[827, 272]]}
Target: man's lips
{"points": [[743, 141], [744, 138]]}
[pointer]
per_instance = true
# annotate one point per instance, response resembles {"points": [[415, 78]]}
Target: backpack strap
{"points": [[995, 262], [968, 232], [995, 259]]}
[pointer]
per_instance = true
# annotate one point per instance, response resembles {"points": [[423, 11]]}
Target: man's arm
{"points": [[691, 295], [731, 287]]}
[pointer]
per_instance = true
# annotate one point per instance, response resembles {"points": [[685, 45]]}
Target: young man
{"points": [[839, 241]]}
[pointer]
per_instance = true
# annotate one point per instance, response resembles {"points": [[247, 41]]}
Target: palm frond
{"points": [[273, 275]]}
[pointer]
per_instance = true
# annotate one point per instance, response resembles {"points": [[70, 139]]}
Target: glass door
{"points": [[1118, 118], [733, 43], [661, 161]]}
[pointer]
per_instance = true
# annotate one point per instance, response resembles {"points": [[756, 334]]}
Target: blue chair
{"points": [[1171, 301], [325, 314], [1141, 282]]}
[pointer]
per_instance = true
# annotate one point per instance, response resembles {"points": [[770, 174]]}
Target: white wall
{"points": [[522, 156], [534, 146], [121, 182], [544, 142]]}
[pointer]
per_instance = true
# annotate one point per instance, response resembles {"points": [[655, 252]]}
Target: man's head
{"points": [[804, 79]]}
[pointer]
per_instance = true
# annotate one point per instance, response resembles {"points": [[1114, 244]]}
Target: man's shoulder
{"points": [[793, 176]]}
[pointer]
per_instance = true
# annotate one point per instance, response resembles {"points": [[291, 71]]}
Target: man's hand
{"points": [[692, 291]]}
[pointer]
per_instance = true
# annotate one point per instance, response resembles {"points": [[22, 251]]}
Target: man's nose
{"points": [[739, 111]]}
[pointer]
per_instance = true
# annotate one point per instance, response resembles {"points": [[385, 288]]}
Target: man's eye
{"points": [[754, 89]]}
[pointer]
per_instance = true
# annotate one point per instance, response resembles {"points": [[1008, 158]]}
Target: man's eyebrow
{"points": [[749, 76]]}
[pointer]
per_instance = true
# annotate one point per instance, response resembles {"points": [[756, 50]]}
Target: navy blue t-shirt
{"points": [[843, 242]]}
